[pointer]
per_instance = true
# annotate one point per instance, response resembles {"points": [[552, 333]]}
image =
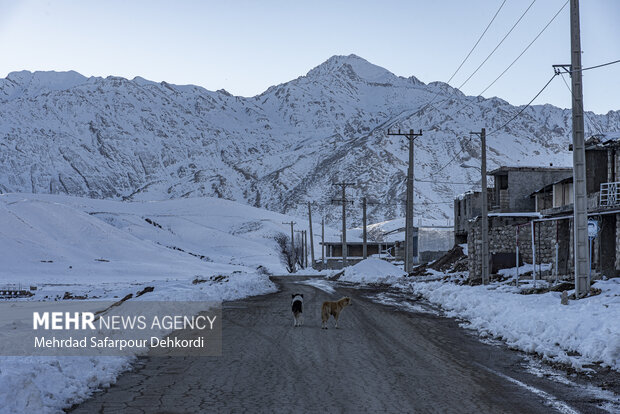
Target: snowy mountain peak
{"points": [[353, 67], [142, 140]]}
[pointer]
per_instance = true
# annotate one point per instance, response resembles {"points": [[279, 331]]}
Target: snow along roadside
{"points": [[51, 384], [585, 331]]}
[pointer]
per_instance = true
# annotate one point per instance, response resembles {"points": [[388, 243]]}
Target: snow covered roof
{"points": [[601, 141], [506, 168], [526, 214]]}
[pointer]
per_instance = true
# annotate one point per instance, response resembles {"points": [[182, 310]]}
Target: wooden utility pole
{"points": [[344, 202], [364, 235], [411, 136], [484, 225], [311, 234], [292, 243]]}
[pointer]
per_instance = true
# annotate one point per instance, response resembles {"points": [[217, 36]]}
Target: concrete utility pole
{"points": [[344, 202], [580, 223], [364, 235], [292, 243], [409, 213], [323, 240], [311, 234], [485, 208], [580, 196]]}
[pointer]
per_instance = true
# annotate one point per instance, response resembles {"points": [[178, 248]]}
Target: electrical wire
{"points": [[592, 124], [526, 48], [496, 130], [498, 45], [524, 108], [469, 104], [464, 60], [450, 161], [598, 66], [470, 52]]}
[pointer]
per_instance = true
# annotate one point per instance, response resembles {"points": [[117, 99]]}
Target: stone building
{"points": [[466, 207], [548, 211], [513, 186]]}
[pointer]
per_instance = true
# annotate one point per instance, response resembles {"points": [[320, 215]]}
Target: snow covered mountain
{"points": [[141, 140]]}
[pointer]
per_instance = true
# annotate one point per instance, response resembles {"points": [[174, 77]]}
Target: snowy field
{"points": [[105, 250], [578, 334]]}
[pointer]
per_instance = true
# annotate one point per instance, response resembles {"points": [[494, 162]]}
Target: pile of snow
{"points": [[372, 270], [538, 323]]}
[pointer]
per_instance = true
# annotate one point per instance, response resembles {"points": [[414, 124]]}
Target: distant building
{"points": [[392, 249], [513, 186]]}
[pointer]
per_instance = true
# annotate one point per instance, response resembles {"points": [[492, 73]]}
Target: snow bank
{"points": [[372, 270], [51, 384], [583, 332]]}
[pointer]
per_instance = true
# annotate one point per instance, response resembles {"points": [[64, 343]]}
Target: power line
{"points": [[498, 129], [592, 124], [478, 41], [524, 108], [526, 48], [598, 66], [464, 60], [498, 45], [451, 159], [471, 50], [469, 104]]}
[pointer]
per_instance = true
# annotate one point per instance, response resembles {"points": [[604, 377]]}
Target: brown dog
{"points": [[334, 309]]}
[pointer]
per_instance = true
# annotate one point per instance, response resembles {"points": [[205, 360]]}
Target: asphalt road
{"points": [[380, 360]]}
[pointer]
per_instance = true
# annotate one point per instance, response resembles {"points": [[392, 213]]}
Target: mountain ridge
{"points": [[137, 139]]}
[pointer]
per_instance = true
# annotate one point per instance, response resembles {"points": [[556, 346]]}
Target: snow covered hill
{"points": [[63, 133], [57, 239]]}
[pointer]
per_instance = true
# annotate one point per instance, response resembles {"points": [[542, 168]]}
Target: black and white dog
{"points": [[297, 306]]}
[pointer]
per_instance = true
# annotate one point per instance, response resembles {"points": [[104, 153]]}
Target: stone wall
{"points": [[502, 239]]}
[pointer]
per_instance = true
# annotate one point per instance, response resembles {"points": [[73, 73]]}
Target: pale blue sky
{"points": [[247, 46]]}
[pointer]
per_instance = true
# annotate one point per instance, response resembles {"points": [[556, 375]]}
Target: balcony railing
{"points": [[610, 194]]}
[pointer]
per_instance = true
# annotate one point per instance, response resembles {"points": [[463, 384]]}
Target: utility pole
{"points": [[364, 235], [292, 243], [485, 208], [311, 234], [411, 136], [301, 243], [344, 202], [580, 223], [580, 201], [323, 240], [306, 246]]}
